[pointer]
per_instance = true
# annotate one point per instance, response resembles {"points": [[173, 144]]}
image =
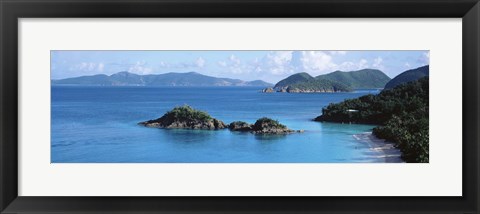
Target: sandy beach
{"points": [[382, 149]]}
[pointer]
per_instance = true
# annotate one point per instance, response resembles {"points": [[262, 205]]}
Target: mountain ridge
{"points": [[358, 79], [125, 78], [408, 76], [337, 81], [293, 79]]}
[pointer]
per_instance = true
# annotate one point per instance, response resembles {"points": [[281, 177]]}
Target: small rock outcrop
{"points": [[185, 117], [290, 89], [297, 90], [266, 125], [262, 126], [240, 126], [268, 90]]}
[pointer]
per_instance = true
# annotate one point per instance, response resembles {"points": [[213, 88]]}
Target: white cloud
{"points": [[234, 60], [100, 67], [427, 55], [317, 62], [338, 52], [256, 65], [407, 65], [363, 63], [140, 67], [88, 67], [163, 64], [424, 59], [347, 66], [222, 63], [234, 65], [200, 62], [322, 62], [378, 63], [352, 66], [277, 62], [280, 63], [279, 57]]}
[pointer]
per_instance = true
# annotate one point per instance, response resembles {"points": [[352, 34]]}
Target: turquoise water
{"points": [[99, 125]]}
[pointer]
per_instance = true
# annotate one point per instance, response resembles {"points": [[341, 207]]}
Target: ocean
{"points": [[99, 125]]}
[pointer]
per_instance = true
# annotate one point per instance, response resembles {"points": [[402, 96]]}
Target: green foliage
{"points": [[410, 133], [185, 117], [377, 109], [266, 122], [320, 85], [401, 112], [335, 81], [239, 124], [408, 76], [187, 113], [365, 78], [293, 79]]}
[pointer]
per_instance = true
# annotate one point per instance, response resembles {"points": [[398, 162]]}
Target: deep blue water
{"points": [[99, 124]]}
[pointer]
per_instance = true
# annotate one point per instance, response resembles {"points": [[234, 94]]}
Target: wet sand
{"points": [[382, 149]]}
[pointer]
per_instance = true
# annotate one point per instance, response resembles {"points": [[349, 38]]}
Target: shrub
{"points": [[186, 112], [266, 122]]}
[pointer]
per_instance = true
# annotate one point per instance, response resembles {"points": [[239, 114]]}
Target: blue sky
{"points": [[270, 66]]}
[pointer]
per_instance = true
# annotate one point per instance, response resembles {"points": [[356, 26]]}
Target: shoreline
{"points": [[384, 150]]}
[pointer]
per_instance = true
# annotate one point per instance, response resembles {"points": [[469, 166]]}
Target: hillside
{"points": [[401, 113], [408, 76], [304, 83], [167, 79], [318, 85], [361, 79], [338, 81], [294, 79]]}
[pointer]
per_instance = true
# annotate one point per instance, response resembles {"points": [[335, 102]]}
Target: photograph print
{"points": [[232, 106]]}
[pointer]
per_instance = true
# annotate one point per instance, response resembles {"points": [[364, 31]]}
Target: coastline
{"points": [[384, 150]]}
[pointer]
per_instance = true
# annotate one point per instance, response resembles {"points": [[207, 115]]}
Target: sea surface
{"points": [[99, 125]]}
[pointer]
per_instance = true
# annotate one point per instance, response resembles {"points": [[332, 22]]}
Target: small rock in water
{"points": [[268, 90], [262, 126]]}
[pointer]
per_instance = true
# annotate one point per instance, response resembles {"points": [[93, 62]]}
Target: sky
{"points": [[269, 66]]}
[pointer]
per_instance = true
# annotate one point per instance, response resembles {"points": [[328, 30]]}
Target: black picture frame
{"points": [[12, 10]]}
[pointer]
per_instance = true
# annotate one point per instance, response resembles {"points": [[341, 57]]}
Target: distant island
{"points": [[168, 79], [186, 117], [401, 114], [337, 81]]}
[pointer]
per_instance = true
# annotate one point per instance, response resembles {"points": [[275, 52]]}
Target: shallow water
{"points": [[99, 125]]}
